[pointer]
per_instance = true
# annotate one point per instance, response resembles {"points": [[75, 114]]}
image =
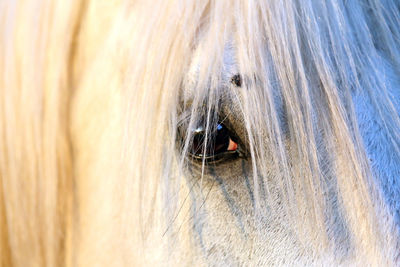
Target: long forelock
{"points": [[299, 60], [316, 55]]}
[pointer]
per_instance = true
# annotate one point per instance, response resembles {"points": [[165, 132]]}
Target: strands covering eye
{"points": [[219, 143]]}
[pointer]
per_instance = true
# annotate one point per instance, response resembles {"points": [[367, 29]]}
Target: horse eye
{"points": [[219, 143]]}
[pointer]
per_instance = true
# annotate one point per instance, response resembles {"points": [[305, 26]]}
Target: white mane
{"points": [[94, 170]]}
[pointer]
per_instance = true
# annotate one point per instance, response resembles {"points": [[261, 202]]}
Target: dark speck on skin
{"points": [[237, 80]]}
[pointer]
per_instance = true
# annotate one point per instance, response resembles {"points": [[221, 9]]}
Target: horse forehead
{"points": [[201, 60]]}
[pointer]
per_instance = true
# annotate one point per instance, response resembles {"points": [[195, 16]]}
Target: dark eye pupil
{"points": [[218, 141]]}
